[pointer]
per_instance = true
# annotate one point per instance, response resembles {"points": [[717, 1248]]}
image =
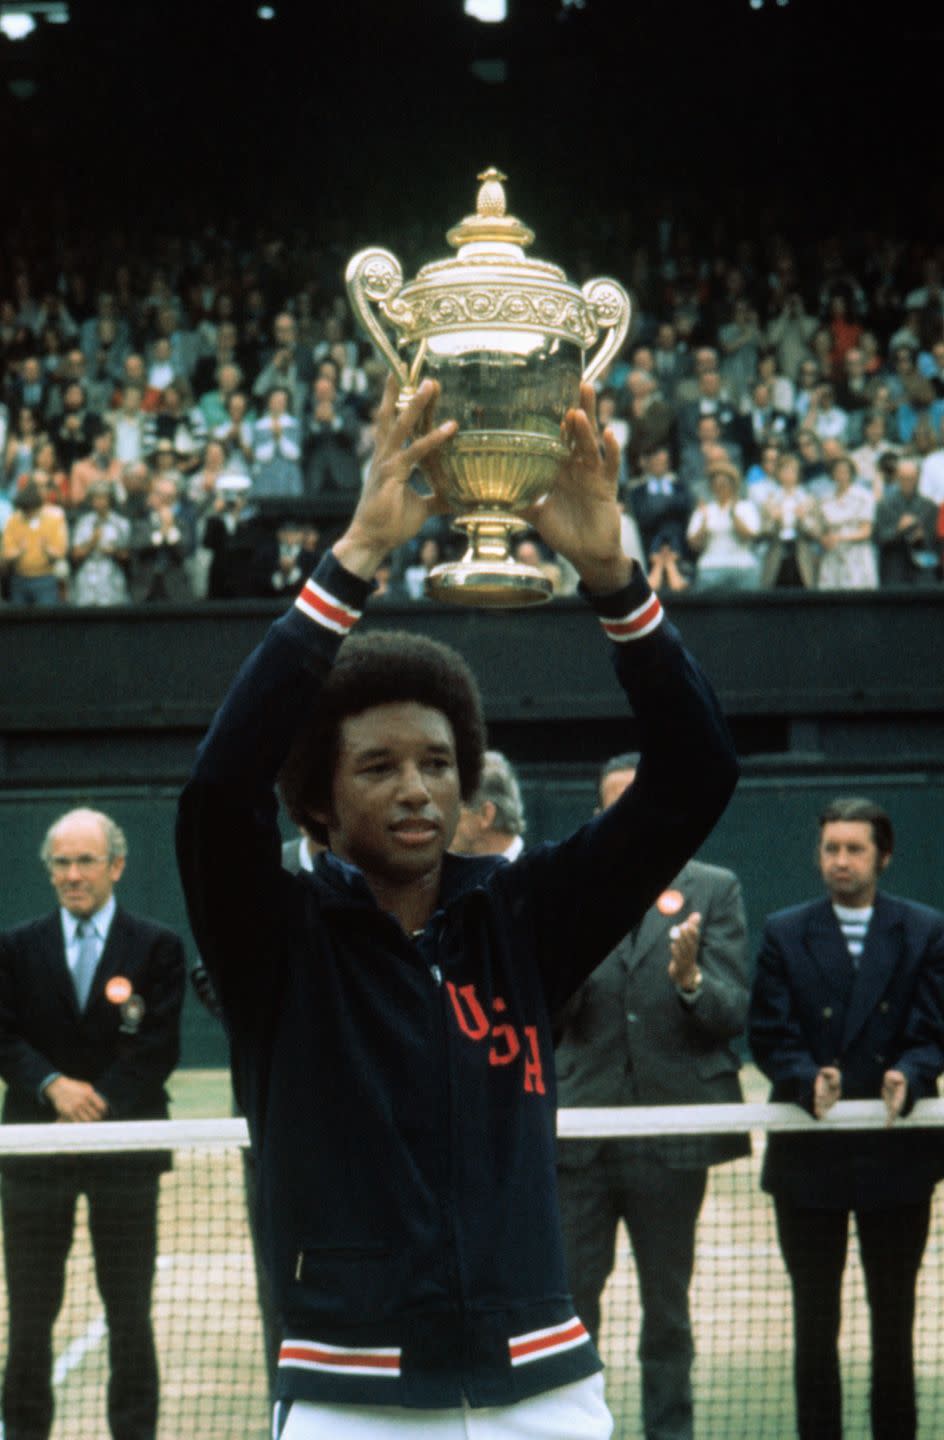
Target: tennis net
{"points": [[206, 1315]]}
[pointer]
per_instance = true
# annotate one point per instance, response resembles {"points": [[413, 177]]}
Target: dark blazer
{"points": [[42, 1029], [809, 1008], [628, 1038]]}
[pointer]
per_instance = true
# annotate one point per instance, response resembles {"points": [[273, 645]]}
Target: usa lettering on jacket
{"points": [[506, 1044]]}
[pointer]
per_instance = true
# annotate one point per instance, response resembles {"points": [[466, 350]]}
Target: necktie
{"points": [[87, 962]]}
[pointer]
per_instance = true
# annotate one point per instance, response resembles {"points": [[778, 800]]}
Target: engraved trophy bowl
{"points": [[507, 337]]}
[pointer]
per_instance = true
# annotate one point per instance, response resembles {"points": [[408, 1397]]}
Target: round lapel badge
{"points": [[670, 902], [118, 989]]}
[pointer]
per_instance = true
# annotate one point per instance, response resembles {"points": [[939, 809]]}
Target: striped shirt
{"points": [[854, 925]]}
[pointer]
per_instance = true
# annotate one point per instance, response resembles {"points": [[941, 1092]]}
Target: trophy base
{"points": [[504, 585], [487, 576]]}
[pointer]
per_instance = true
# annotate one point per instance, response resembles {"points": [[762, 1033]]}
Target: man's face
{"points": [[82, 875], [850, 862], [613, 785], [395, 797], [908, 476], [472, 827]]}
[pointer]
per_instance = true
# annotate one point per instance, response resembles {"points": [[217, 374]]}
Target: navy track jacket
{"points": [[400, 1091]]}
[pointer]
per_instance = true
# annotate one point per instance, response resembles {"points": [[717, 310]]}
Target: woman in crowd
{"points": [[236, 433], [35, 542], [19, 457], [100, 548], [844, 525], [788, 518], [723, 532]]}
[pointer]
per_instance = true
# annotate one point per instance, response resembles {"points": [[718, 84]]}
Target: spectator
{"points": [[740, 342], [790, 332], [29, 387], [846, 1003], [214, 405], [844, 526], [415, 575], [161, 543], [704, 361], [761, 479], [932, 472], [867, 457], [824, 417], [723, 532], [330, 443], [905, 530], [231, 538], [655, 1024], [201, 485], [100, 551], [788, 519], [782, 389], [276, 450], [712, 400], [491, 822], [762, 422], [178, 420], [100, 464], [159, 373], [287, 366], [853, 392], [19, 456], [284, 560], [660, 505], [671, 361], [54, 480], [814, 471], [77, 427], [845, 333], [236, 433], [35, 544], [130, 425]]}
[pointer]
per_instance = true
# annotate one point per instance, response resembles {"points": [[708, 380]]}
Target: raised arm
{"points": [[228, 840]]}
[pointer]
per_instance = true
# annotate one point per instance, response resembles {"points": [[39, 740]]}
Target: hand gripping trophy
{"points": [[507, 337]]}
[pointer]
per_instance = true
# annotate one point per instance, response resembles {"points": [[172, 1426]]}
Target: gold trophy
{"points": [[507, 337]]}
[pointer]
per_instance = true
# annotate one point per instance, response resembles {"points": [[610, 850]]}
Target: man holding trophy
{"points": [[389, 1014]]}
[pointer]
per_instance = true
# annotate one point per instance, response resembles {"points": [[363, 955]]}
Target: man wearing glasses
{"points": [[90, 1000]]}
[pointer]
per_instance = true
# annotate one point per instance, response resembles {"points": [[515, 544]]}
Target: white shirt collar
{"points": [[514, 849]]}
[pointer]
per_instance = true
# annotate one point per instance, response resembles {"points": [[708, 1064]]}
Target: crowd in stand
{"points": [[198, 426]]}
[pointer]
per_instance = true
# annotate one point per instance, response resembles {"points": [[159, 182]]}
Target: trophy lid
{"points": [[490, 222]]}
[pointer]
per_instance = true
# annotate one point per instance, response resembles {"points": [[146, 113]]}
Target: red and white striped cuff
{"points": [[639, 622], [326, 609], [541, 1344], [384, 1363]]}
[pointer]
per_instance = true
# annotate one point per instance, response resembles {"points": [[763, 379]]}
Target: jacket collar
{"points": [[343, 886]]}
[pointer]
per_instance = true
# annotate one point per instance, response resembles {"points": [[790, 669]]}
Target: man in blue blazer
{"points": [[847, 1002], [90, 1000]]}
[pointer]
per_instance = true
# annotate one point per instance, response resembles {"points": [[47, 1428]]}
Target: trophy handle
{"points": [[611, 309], [375, 277]]}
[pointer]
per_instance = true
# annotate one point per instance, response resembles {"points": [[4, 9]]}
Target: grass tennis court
{"points": [[209, 1337]]}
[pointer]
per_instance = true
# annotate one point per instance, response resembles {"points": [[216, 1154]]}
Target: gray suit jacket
{"points": [[629, 1038]]}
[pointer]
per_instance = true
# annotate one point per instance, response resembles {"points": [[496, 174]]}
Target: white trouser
{"points": [[574, 1412]]}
